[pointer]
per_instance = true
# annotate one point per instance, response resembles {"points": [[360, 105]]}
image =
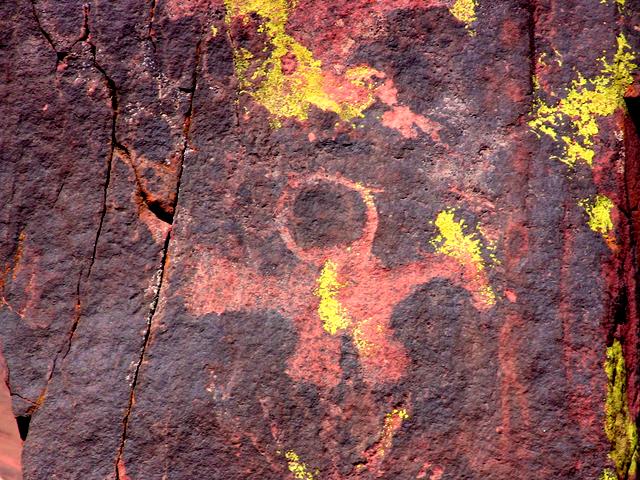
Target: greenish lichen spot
{"points": [[573, 120], [619, 426]]}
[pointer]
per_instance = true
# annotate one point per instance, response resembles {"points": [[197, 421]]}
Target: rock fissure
{"points": [[532, 7], [28, 400], [187, 121], [161, 272], [154, 206], [63, 350], [114, 118], [84, 35], [78, 313], [152, 14], [145, 342], [44, 33]]}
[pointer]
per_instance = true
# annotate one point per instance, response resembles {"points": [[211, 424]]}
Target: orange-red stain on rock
{"points": [[374, 455], [219, 286], [21, 286], [435, 472], [297, 76], [177, 9], [514, 406], [358, 21], [122, 471], [11, 270], [401, 118], [584, 407], [405, 121], [18, 255]]}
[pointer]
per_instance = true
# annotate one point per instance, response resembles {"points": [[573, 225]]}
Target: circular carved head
{"points": [[321, 215]]}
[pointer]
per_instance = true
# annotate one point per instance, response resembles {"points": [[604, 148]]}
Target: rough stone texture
{"points": [[202, 279]]}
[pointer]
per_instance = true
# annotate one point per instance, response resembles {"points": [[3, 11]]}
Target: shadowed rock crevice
{"points": [[152, 14], [23, 425], [633, 107]]}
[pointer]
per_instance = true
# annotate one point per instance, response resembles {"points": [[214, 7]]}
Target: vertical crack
{"points": [[113, 93], [532, 8], [186, 132], [76, 321], [152, 14], [119, 475], [64, 350], [147, 334], [44, 33]]}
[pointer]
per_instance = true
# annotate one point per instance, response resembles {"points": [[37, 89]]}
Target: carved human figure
{"points": [[334, 291]]}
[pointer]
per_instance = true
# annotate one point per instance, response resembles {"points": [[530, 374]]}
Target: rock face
{"points": [[317, 240]]}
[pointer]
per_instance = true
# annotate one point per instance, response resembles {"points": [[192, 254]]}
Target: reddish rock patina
{"points": [[319, 240]]}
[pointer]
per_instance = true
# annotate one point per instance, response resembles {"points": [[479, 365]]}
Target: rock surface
{"points": [[320, 240]]}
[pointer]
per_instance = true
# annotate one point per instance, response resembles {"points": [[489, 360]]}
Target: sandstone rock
{"points": [[320, 240]]}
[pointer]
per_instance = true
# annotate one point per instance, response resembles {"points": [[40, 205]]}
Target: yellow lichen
{"points": [[585, 102], [361, 75], [299, 469], [558, 57], [619, 425], [367, 196], [333, 315], [454, 240], [363, 345], [242, 60], [608, 474], [619, 2], [488, 294], [400, 413], [536, 82], [465, 11], [598, 210], [287, 94], [392, 422]]}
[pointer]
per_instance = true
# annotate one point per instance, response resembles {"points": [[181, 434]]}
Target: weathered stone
{"points": [[321, 240]]}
